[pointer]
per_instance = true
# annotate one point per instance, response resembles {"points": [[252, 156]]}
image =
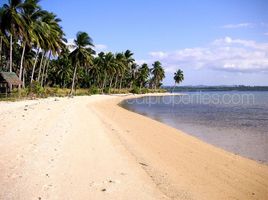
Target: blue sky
{"points": [[213, 42]]}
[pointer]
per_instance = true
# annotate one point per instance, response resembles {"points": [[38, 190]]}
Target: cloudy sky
{"points": [[221, 42]]}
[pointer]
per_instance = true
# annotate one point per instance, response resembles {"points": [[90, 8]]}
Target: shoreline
{"points": [[124, 104], [90, 147], [203, 154]]}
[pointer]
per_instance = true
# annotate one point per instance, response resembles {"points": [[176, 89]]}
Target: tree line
{"points": [[33, 45]]}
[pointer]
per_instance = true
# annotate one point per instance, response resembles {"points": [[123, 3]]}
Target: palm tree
{"points": [[54, 39], [30, 13], [98, 68], [133, 71], [2, 36], [158, 74], [82, 55], [13, 23], [120, 67], [129, 60], [33, 15], [27, 64], [109, 65], [63, 68], [178, 77], [143, 74]]}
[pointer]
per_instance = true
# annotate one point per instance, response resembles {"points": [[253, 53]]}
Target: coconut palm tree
{"points": [[109, 68], [13, 23], [98, 69], [2, 36], [63, 68], [54, 39], [129, 60], [30, 13], [178, 77], [158, 74], [120, 67], [82, 54], [143, 75], [133, 71]]}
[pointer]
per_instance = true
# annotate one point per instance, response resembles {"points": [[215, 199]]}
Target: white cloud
{"points": [[222, 54], [241, 25], [70, 44], [100, 47], [159, 54], [227, 41]]}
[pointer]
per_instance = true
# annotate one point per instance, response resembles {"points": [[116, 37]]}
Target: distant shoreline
{"points": [[215, 88]]}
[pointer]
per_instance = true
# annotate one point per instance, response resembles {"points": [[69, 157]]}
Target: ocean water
{"points": [[234, 121]]}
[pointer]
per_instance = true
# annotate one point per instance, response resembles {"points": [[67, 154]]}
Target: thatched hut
{"points": [[7, 81]]}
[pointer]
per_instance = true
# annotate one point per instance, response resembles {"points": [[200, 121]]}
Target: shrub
{"points": [[93, 90], [145, 90], [135, 90], [106, 90], [35, 88]]}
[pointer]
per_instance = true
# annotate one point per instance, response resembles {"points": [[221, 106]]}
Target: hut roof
{"points": [[11, 78]]}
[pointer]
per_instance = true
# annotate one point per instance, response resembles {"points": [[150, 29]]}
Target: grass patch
{"points": [[35, 91]]}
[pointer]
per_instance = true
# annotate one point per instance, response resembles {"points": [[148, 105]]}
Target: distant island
{"points": [[216, 88]]}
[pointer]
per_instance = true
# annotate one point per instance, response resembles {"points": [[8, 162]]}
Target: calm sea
{"points": [[235, 121]]}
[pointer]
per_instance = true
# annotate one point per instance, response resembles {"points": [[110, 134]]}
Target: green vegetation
{"points": [[32, 45], [178, 77]]}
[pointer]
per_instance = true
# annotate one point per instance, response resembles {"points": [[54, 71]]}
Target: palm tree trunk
{"points": [[21, 61], [98, 80], [72, 89], [1, 44], [110, 85], [10, 54], [46, 74], [121, 79], [116, 80], [40, 66], [45, 70], [120, 84], [23, 77], [35, 62], [104, 81]]}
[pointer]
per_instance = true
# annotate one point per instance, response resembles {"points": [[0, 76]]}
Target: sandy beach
{"points": [[91, 148]]}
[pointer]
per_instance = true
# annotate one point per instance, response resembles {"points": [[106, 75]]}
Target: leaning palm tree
{"points": [[54, 39], [178, 77], [82, 54], [158, 74], [30, 13]]}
